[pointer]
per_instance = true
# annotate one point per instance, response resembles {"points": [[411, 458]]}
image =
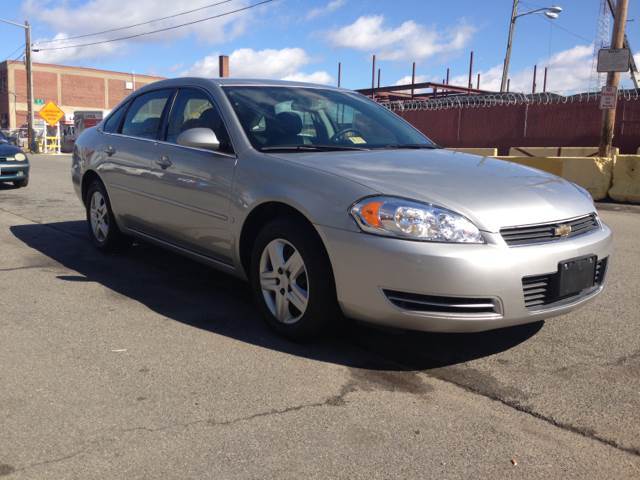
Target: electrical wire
{"points": [[75, 37], [14, 52], [173, 27]]}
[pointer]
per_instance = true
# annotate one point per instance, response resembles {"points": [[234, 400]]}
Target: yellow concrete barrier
{"points": [[626, 179], [592, 173], [556, 151], [485, 152]]}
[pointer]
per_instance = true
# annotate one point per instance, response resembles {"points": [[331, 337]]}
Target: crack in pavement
{"points": [[337, 400]]}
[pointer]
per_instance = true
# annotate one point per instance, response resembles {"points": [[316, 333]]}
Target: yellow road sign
{"points": [[51, 113]]}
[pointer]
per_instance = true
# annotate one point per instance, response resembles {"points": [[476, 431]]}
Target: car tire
{"points": [[21, 183], [103, 229], [292, 280]]}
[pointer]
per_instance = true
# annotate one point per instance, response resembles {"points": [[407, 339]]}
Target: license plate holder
{"points": [[576, 275]]}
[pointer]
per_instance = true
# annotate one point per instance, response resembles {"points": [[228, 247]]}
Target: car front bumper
{"points": [[12, 171], [366, 265]]}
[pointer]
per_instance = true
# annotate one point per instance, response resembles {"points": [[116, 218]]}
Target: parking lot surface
{"points": [[147, 365]]}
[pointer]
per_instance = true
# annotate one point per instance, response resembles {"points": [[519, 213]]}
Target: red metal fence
{"points": [[571, 124]]}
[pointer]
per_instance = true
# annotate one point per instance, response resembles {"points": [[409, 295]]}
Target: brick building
{"points": [[72, 88]]}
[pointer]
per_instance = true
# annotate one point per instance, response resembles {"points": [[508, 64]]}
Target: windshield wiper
{"points": [[309, 148]]}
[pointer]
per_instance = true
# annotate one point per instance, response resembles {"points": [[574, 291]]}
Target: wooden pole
{"points": [[544, 83], [339, 73], [373, 77], [613, 79], [471, 70]]}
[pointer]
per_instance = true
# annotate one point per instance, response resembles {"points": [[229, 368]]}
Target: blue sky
{"points": [[304, 39]]}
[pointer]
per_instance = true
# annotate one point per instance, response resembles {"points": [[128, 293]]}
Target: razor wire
{"points": [[499, 99]]}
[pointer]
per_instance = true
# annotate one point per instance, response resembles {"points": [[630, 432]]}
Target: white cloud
{"points": [[97, 15], [330, 7], [409, 40], [285, 64]]}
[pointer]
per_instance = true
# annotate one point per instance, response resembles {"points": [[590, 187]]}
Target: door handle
{"points": [[164, 162], [109, 150]]}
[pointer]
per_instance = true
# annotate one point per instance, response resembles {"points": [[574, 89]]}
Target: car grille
{"points": [[438, 304], [540, 290], [546, 232]]}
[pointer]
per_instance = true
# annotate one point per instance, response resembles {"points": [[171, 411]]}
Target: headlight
{"points": [[19, 157], [396, 217]]}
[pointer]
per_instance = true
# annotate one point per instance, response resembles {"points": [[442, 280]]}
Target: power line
{"points": [[14, 52], [155, 31], [55, 40]]}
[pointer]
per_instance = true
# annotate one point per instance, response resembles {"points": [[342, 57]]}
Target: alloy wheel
{"points": [[284, 281], [99, 215]]}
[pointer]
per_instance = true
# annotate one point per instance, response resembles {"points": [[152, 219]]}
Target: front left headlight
{"points": [[19, 157], [397, 217]]}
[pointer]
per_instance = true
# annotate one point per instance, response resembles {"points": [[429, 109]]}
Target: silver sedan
{"points": [[332, 206]]}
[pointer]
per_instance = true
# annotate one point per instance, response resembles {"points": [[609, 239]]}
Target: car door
{"points": [[130, 150], [193, 184]]}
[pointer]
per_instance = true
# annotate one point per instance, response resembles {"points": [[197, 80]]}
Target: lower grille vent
{"points": [[541, 290], [431, 303]]}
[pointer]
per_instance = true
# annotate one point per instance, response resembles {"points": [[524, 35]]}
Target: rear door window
{"points": [[144, 116]]}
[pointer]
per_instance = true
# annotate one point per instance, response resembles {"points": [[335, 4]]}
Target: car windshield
{"points": [[311, 119]]}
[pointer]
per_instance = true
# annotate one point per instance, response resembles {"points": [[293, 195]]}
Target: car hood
{"points": [[492, 193], [8, 150]]}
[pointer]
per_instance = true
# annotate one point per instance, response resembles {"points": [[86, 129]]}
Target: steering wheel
{"points": [[341, 133]]}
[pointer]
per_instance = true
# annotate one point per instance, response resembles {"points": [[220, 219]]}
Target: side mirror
{"points": [[199, 138]]}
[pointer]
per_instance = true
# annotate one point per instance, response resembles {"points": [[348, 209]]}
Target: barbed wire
{"points": [[499, 99]]}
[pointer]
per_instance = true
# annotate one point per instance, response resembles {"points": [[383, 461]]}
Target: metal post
{"points": [[478, 83], [31, 139], [373, 77], [447, 81], [471, 70], [544, 84], [339, 73], [613, 79], [535, 74], [508, 85], [413, 77], [507, 57], [378, 78]]}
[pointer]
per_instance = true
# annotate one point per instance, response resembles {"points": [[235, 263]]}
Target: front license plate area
{"points": [[576, 275]]}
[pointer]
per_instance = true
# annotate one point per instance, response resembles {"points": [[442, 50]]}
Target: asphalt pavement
{"points": [[146, 365]]}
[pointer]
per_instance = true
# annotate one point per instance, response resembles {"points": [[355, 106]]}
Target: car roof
{"points": [[257, 82]]}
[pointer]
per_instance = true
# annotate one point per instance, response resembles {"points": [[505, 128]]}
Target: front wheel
{"points": [[103, 230], [21, 183], [292, 280]]}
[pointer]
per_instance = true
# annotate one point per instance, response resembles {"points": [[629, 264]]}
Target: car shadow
{"points": [[188, 292]]}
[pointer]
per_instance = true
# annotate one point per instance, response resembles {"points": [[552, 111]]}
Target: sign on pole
{"points": [[613, 60], [51, 113], [608, 97]]}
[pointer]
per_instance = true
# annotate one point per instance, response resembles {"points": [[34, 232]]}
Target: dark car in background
{"points": [[14, 164]]}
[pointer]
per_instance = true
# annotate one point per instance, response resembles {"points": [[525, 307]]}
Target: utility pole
{"points": [[507, 57], [632, 62], [613, 79], [28, 66]]}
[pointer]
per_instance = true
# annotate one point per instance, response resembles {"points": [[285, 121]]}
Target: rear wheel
{"points": [[292, 280], [103, 230]]}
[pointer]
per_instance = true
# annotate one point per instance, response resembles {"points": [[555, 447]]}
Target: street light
{"points": [[552, 13], [27, 58]]}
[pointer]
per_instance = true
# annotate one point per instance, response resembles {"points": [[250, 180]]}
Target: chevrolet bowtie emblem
{"points": [[562, 230]]}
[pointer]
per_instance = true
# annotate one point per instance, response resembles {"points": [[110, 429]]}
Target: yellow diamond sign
{"points": [[51, 113]]}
